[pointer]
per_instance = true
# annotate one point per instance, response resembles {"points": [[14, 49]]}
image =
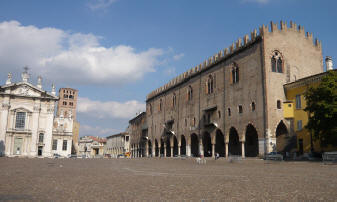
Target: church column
{"points": [[164, 149], [188, 150], [153, 150], [179, 150], [201, 148], [171, 151], [226, 152]]}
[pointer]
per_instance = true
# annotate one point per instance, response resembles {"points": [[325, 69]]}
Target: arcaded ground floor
{"points": [[165, 180]]}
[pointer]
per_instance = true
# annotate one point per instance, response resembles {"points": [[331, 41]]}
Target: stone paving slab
{"points": [[165, 180]]}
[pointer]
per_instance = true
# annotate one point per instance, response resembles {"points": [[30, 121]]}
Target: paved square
{"points": [[165, 179]]}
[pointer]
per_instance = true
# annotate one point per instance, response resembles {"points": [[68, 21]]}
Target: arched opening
{"points": [[168, 147], [252, 142], [220, 143], [183, 145], [162, 147], [149, 147], [194, 145], [175, 146], [281, 137], [207, 144], [234, 143], [156, 148]]}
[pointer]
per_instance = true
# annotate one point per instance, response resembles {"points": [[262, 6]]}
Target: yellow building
{"points": [[293, 110]]}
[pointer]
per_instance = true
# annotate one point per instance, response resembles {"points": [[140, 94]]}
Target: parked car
{"points": [[120, 156], [56, 156], [274, 156], [72, 156]]}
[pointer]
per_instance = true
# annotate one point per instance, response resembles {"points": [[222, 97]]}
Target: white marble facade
{"points": [[27, 120]]}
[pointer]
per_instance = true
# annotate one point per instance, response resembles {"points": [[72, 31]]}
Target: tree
{"points": [[322, 110]]}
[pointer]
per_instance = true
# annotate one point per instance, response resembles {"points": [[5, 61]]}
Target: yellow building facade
{"points": [[293, 110]]}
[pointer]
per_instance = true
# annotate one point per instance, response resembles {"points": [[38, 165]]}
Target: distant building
{"points": [[27, 123], [91, 146], [67, 106], [294, 111], [117, 144]]}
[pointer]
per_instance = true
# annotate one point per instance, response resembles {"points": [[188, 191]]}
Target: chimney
{"points": [[328, 63]]}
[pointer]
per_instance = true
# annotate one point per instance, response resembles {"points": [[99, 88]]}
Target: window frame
{"points": [[64, 145], [54, 146], [277, 62], [298, 101], [20, 121]]}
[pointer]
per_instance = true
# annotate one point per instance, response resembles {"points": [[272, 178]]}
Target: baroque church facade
{"points": [[28, 126], [232, 103]]}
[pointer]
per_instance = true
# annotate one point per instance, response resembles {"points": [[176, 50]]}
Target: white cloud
{"points": [[178, 56], [109, 109], [71, 58], [170, 71], [96, 131], [100, 4]]}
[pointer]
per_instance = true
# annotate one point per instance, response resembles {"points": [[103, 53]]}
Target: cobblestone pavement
{"points": [[165, 180]]}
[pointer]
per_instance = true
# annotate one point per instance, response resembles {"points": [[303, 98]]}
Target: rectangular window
{"points": [[54, 144], [127, 138], [240, 109], [64, 146], [299, 125], [41, 138], [298, 102], [20, 120]]}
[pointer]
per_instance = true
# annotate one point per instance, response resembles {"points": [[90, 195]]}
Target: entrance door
{"points": [[17, 150], [39, 151]]}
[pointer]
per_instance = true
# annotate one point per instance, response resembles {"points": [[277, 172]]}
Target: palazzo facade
{"points": [[232, 103]]}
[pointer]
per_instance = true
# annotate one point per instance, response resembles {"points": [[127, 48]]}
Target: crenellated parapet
{"points": [[235, 47]]}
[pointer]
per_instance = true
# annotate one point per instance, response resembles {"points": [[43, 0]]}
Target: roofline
{"points": [[189, 77], [138, 116], [305, 80]]}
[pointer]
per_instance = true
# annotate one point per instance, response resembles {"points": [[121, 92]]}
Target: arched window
{"points": [[174, 100], [276, 62], [210, 84], [229, 111], [189, 93], [235, 73], [160, 104], [253, 106]]}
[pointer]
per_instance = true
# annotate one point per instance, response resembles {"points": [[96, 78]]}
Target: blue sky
{"points": [[117, 51]]}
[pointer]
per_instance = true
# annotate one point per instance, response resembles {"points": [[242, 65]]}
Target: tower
{"points": [[67, 108], [67, 103]]}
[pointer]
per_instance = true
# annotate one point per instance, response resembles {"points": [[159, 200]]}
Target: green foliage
{"points": [[322, 108]]}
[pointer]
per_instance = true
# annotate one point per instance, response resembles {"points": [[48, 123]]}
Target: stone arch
{"points": [[207, 144], [234, 142], [156, 148], [282, 136], [251, 141], [194, 145], [149, 147], [161, 147], [168, 147], [182, 145], [175, 145], [220, 143]]}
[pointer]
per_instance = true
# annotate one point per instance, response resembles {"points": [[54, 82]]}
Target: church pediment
{"points": [[26, 90]]}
